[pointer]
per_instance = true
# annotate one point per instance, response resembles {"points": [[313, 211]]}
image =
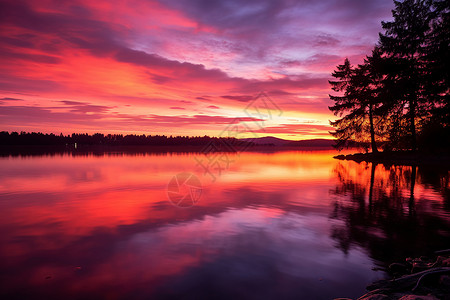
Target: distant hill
{"points": [[313, 143], [268, 140], [317, 143]]}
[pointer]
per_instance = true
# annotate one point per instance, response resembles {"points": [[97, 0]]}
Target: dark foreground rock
{"points": [[426, 278]]}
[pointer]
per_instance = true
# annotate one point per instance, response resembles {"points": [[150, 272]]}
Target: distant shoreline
{"points": [[15, 143], [30, 150]]}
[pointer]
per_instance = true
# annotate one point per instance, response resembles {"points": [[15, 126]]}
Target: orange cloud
{"points": [[138, 59]]}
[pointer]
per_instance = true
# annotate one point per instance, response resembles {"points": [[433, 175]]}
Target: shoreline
{"points": [[32, 150], [425, 277], [399, 158]]}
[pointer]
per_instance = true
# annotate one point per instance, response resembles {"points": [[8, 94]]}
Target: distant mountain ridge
{"points": [[267, 140], [312, 143]]}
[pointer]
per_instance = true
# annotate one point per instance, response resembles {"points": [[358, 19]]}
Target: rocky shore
{"points": [[422, 278]]}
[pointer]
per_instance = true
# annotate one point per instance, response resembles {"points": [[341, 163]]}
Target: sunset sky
{"points": [[177, 67]]}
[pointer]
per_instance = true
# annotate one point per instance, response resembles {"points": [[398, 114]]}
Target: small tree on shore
{"points": [[357, 105], [347, 127]]}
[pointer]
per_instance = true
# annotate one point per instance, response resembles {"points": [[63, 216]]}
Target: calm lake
{"points": [[286, 225]]}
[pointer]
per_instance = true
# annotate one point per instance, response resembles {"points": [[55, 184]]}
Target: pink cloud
{"points": [[152, 56]]}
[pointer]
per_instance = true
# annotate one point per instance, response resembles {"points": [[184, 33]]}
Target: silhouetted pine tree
{"points": [[437, 62], [349, 126], [357, 105], [404, 41]]}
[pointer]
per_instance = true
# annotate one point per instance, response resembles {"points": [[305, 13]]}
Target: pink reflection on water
{"points": [[102, 225]]}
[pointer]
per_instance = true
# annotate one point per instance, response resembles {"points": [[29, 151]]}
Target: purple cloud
{"points": [[100, 117], [240, 98], [11, 99], [82, 107]]}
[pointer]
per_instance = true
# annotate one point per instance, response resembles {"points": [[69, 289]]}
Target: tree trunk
{"points": [[412, 124], [372, 131]]}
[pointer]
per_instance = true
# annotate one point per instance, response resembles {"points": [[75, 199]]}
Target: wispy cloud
{"points": [[162, 56]]}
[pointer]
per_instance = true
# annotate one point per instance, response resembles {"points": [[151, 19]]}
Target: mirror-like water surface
{"points": [[288, 225]]}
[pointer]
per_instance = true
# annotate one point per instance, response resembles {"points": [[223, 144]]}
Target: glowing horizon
{"points": [[176, 68]]}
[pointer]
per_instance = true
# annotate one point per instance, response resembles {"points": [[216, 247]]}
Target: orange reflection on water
{"points": [[103, 225]]}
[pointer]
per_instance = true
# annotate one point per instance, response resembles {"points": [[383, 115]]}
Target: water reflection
{"points": [[393, 211], [101, 227]]}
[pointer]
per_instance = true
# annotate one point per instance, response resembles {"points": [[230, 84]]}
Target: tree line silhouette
{"points": [[33, 138], [398, 98]]}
